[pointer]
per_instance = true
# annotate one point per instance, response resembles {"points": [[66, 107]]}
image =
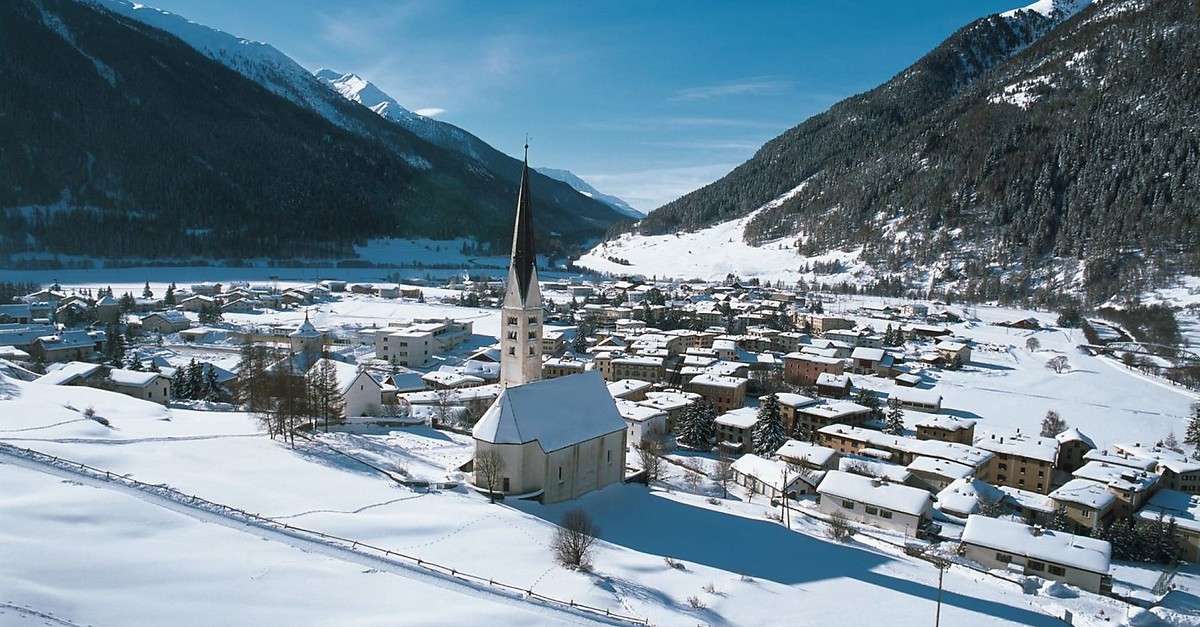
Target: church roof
{"points": [[306, 329], [524, 258], [555, 412]]}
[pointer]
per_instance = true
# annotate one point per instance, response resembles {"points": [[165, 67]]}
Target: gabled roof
{"points": [[1079, 552], [900, 498], [555, 413]]}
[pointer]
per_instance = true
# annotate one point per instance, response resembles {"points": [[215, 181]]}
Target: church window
{"points": [[512, 335], [532, 335], [532, 319], [512, 320], [512, 350], [560, 473], [530, 351]]}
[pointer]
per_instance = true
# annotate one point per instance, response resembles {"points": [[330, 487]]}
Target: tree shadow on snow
{"points": [[634, 517]]}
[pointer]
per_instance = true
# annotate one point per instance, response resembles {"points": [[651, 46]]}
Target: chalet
{"points": [[559, 437], [871, 361], [1076, 560], [946, 429], [165, 322], [76, 373], [876, 502], [240, 305]]}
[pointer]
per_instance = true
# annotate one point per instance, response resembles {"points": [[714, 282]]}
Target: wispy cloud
{"points": [[757, 85]]}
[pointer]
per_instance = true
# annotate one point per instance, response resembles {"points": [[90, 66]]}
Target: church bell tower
{"points": [[521, 313]]}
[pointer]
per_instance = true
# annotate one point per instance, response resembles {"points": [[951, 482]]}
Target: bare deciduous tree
{"points": [[489, 469], [1053, 424], [723, 472], [840, 528], [1059, 364], [574, 538], [650, 453], [1032, 344]]}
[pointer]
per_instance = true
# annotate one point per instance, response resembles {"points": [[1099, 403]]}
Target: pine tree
{"points": [[894, 422], [126, 302], [1060, 521], [212, 389], [696, 425], [169, 298], [195, 380], [325, 397], [867, 399], [1193, 429], [146, 293], [768, 433]]}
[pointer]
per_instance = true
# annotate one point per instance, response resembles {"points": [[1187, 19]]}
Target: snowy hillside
{"points": [[354, 88], [260, 62]]}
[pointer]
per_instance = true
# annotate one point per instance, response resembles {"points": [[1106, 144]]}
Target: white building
{"points": [[1001, 544], [875, 502]]}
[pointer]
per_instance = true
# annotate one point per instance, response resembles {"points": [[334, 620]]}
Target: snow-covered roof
{"points": [[1118, 477], [794, 400], [636, 412], [881, 493], [1084, 492], [813, 358], [834, 410], [832, 380], [1164, 458], [1120, 459], [69, 372], [556, 413], [1183, 507], [941, 421], [628, 386], [172, 316], [815, 454], [1030, 500], [916, 396], [344, 372], [1042, 449], [940, 468], [1073, 434], [870, 354], [962, 496], [451, 378], [716, 380], [1058, 547], [742, 418], [767, 471], [670, 399], [133, 378]]}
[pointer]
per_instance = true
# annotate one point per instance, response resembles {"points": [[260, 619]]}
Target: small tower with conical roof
{"points": [[521, 312], [306, 342]]}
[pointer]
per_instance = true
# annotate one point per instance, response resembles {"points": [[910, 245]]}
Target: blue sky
{"points": [[647, 100]]}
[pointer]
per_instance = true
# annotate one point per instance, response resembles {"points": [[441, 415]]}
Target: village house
{"points": [[807, 455], [360, 393], [1179, 471], [876, 502], [770, 478], [165, 322], [76, 345], [917, 399], [643, 422], [1022, 461], [1005, 545], [950, 351], [846, 439], [1072, 446], [1131, 487], [1088, 504], [562, 366], [673, 402], [820, 323], [967, 496], [936, 474], [725, 393], [637, 367], [946, 429], [630, 389], [833, 385], [148, 386], [810, 419], [76, 373], [735, 429], [1184, 509], [789, 403]]}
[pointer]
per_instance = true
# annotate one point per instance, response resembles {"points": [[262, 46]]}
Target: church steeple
{"points": [[524, 257], [521, 313]]}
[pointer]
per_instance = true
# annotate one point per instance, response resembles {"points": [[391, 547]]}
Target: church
{"points": [[559, 438]]}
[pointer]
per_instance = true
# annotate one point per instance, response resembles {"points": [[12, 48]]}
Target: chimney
{"points": [[1036, 530], [875, 482]]}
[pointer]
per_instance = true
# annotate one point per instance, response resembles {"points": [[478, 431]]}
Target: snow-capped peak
{"points": [[358, 89], [582, 186], [1049, 8]]}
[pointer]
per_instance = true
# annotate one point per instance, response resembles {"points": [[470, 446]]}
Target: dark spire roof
{"points": [[524, 259]]}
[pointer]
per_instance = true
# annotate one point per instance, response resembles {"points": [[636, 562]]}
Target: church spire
{"points": [[524, 257]]}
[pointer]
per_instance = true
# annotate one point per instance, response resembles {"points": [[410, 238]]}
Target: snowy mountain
{"points": [[357, 89], [1043, 153], [202, 144], [586, 189]]}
